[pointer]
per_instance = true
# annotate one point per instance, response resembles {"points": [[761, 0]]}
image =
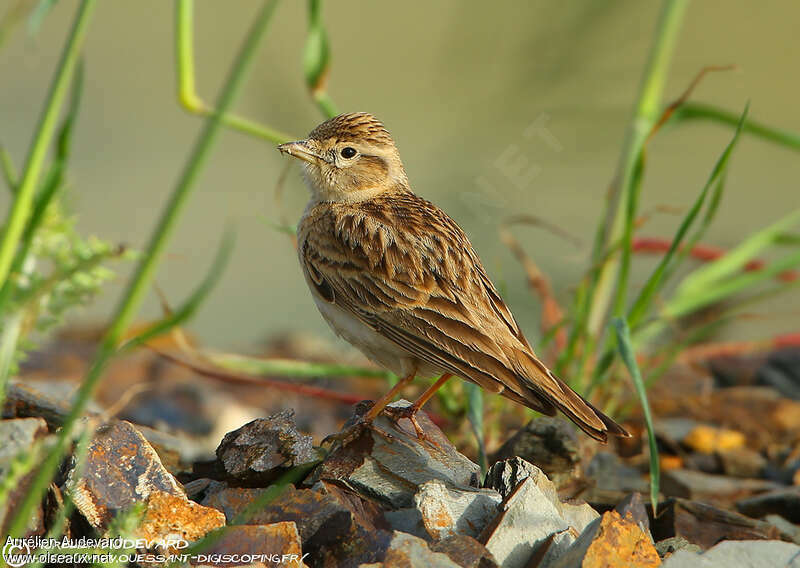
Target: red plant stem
{"points": [[706, 253], [706, 351]]}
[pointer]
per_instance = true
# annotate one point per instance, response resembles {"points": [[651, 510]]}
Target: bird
{"points": [[397, 278]]}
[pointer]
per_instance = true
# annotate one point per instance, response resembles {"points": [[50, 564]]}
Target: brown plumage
{"points": [[398, 278]]}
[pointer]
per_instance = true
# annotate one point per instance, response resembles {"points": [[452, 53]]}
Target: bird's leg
{"points": [[410, 412], [378, 406]]}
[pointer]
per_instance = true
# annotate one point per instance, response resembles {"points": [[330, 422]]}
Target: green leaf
{"points": [[316, 55], [289, 367], [474, 407], [645, 298], [628, 357]]}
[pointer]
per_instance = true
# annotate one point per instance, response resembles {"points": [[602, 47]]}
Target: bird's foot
{"points": [[396, 413], [354, 430]]}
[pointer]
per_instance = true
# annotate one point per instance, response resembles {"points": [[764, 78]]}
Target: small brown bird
{"points": [[399, 279]]}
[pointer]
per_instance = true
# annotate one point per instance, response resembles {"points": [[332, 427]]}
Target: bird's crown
{"points": [[354, 126]]}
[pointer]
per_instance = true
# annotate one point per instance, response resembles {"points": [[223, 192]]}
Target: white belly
{"points": [[377, 348]]}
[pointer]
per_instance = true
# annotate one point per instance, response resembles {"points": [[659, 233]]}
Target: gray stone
{"points": [[257, 452], [742, 462], [633, 506], [789, 531], [528, 518], [446, 511], [386, 461], [406, 550], [573, 556], [691, 484], [739, 554], [465, 551], [784, 502], [673, 430], [504, 476], [549, 442], [673, 544]]}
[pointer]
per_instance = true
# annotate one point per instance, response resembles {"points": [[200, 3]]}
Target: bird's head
{"points": [[349, 158]]}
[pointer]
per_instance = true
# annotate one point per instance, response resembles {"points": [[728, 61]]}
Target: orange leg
{"points": [[381, 403]]}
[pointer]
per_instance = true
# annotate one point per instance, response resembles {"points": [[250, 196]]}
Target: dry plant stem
{"points": [[552, 314], [141, 280], [241, 378], [705, 351]]}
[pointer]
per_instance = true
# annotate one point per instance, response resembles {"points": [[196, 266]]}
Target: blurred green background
{"points": [[471, 91]]}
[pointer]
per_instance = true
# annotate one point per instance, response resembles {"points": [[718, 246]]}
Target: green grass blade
{"points": [[700, 111], [140, 283], [289, 367], [187, 310], [474, 407], [628, 357], [645, 298], [735, 260], [19, 213], [316, 60]]}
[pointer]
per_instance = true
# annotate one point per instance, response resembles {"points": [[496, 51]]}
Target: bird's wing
{"points": [[405, 269]]}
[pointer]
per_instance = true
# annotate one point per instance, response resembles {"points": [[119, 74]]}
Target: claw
{"points": [[410, 412]]}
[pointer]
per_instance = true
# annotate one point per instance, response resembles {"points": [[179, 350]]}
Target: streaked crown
{"points": [[354, 126]]}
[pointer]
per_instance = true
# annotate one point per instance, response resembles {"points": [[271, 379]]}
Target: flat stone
{"points": [[465, 551], [447, 511], [669, 546], [789, 531], [121, 469], [259, 451], [706, 525], [528, 518], [405, 551], [18, 437], [673, 430], [277, 544], [690, 484], [169, 517], [231, 500], [386, 461], [784, 502], [550, 443], [742, 462], [612, 480], [739, 554], [781, 371]]}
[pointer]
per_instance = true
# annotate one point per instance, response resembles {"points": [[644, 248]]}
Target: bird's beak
{"points": [[301, 150]]}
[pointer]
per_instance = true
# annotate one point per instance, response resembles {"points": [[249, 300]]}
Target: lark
{"points": [[396, 277]]}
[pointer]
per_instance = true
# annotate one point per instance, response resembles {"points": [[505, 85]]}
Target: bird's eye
{"points": [[348, 152]]}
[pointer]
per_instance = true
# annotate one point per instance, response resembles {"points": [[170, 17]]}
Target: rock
{"points": [[405, 551], [633, 507], [741, 554], [18, 438], [528, 518], [742, 462], [387, 462], [231, 500], [612, 480], [465, 551], [121, 469], [504, 476], [669, 546], [673, 430], [709, 439], [789, 531], [550, 443], [447, 511], [176, 407], [706, 525], [171, 517], [620, 542], [781, 371], [256, 453], [783, 502], [696, 485], [277, 544], [41, 399]]}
